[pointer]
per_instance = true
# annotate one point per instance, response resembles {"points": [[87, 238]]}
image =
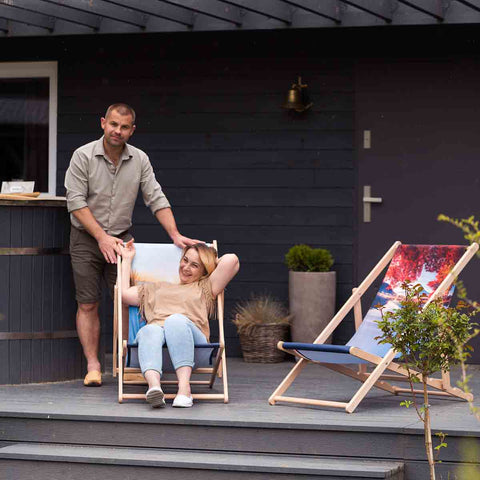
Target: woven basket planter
{"points": [[261, 345]]}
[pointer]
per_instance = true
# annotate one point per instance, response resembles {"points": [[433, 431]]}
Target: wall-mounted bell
{"points": [[297, 97]]}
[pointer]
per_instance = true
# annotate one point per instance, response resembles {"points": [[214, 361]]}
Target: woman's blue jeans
{"points": [[179, 333]]}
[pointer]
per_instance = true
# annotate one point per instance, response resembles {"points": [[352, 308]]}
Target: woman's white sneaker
{"points": [[155, 397], [182, 401]]}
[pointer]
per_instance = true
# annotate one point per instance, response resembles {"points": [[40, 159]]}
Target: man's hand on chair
{"points": [[109, 246], [182, 242]]}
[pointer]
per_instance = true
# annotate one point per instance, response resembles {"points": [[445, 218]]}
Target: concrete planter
{"points": [[312, 303]]}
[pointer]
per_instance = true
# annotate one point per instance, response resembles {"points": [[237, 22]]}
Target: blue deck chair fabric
{"points": [[426, 265], [322, 353], [203, 356]]}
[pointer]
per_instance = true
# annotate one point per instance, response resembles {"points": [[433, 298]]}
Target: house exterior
{"points": [[395, 92]]}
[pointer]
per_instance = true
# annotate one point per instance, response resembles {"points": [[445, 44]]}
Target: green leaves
{"points": [[469, 226], [430, 339], [443, 443], [302, 258]]}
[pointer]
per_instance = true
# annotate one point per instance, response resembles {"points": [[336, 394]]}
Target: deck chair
{"points": [[435, 268], [153, 263]]}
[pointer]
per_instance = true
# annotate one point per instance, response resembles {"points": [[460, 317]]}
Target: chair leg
{"points": [[361, 377], [121, 371], [446, 380], [287, 381], [217, 368], [442, 384], [120, 342], [370, 382], [114, 359], [115, 338], [120, 382], [224, 378]]}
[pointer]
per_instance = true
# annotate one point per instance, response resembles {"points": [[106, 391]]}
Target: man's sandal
{"points": [[93, 379]]}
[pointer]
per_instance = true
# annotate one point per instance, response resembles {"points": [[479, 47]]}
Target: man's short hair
{"points": [[122, 109]]}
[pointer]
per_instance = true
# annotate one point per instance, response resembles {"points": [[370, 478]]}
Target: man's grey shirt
{"points": [[93, 181]]}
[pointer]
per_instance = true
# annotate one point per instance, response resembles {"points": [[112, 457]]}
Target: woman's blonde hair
{"points": [[207, 255]]}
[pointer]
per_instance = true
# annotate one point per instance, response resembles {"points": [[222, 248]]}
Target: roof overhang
{"points": [[69, 17]]}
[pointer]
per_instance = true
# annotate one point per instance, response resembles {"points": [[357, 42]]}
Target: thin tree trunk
{"points": [[427, 430]]}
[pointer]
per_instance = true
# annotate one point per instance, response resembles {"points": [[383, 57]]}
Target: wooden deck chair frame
{"points": [[377, 377], [133, 376]]}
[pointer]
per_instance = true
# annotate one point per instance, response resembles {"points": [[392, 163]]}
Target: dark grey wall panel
{"points": [[280, 196], [254, 215], [235, 165], [211, 101], [245, 159], [37, 298], [266, 140], [224, 122], [15, 298]]}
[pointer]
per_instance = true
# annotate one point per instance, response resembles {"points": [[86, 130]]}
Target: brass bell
{"points": [[294, 99], [297, 98]]}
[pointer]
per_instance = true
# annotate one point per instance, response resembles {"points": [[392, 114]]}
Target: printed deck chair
{"points": [[435, 268], [153, 263]]}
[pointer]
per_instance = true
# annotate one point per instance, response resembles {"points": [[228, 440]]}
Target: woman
{"points": [[176, 314]]}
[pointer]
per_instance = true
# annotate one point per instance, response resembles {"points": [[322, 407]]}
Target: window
{"points": [[28, 123]]}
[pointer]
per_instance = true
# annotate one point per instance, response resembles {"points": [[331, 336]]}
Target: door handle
{"points": [[367, 201]]}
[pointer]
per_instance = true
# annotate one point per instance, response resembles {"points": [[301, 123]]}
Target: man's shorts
{"points": [[89, 266]]}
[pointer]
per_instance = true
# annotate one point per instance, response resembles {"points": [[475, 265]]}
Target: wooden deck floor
{"points": [[250, 387]]}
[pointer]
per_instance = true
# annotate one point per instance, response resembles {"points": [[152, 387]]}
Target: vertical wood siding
{"points": [[36, 295]]}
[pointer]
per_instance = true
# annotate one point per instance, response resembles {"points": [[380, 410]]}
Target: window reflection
{"points": [[24, 107]]}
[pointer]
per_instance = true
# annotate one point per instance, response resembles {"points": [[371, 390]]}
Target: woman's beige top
{"points": [[159, 300]]}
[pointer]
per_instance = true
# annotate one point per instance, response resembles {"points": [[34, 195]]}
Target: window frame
{"points": [[41, 70]]}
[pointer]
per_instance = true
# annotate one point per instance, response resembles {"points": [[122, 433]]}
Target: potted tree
{"points": [[311, 291], [261, 322], [430, 339]]}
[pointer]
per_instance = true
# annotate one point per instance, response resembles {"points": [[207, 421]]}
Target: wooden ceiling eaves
{"points": [[69, 17]]}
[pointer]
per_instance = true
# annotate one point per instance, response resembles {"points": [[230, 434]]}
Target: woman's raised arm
{"points": [[129, 294], [227, 267]]}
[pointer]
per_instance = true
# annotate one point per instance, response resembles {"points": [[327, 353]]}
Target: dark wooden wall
{"points": [[36, 296], [235, 166]]}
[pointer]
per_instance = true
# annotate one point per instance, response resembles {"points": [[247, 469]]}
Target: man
{"points": [[102, 184]]}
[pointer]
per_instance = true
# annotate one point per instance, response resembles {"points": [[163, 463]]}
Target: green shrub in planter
{"points": [[311, 291], [302, 258]]}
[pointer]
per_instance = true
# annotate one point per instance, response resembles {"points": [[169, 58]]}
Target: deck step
{"points": [[80, 461]]}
